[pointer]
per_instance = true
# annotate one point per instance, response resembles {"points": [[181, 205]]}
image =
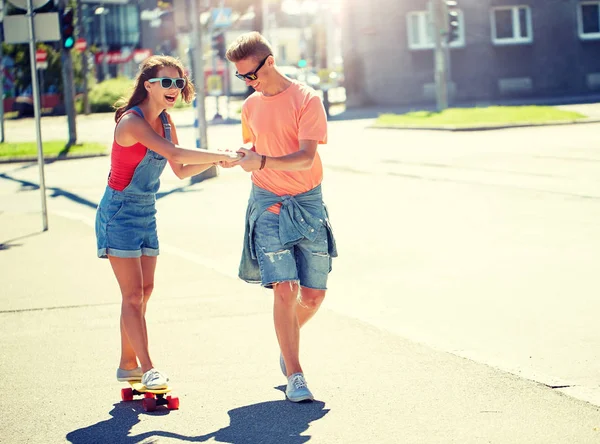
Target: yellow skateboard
{"points": [[152, 398]]}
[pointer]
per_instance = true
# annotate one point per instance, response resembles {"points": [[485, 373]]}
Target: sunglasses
{"points": [[252, 75], [168, 82]]}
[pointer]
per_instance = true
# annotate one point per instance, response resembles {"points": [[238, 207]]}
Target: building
{"points": [[506, 49], [120, 34]]}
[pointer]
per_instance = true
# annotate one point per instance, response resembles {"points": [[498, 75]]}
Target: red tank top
{"points": [[123, 162]]}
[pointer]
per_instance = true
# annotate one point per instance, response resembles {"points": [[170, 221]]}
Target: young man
{"points": [[288, 243]]}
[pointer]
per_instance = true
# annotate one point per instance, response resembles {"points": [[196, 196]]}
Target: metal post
{"points": [[105, 74], [448, 71], [68, 87], [198, 57], [84, 60], [441, 88], [36, 110], [211, 31], [265, 19], [2, 79]]}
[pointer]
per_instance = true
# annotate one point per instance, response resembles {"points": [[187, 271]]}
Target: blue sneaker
{"points": [[282, 365], [296, 390]]}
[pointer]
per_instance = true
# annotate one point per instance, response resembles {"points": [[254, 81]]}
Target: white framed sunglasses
{"points": [[168, 82]]}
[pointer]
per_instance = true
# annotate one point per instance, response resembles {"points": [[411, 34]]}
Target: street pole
{"points": [[213, 57], [104, 44], [37, 110], [441, 88], [265, 19], [2, 79], [448, 71], [84, 60], [198, 60], [68, 87]]}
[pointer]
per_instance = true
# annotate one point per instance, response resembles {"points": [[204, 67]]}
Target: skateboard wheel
{"points": [[172, 403], [127, 394], [148, 395], [149, 404]]}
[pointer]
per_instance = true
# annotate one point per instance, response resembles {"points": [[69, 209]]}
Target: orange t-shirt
{"points": [[275, 125]]}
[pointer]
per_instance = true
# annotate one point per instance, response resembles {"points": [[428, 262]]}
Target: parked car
{"points": [[23, 104]]}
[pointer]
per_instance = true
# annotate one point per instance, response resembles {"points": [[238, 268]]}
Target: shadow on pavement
{"points": [[5, 245], [116, 429], [273, 422], [56, 192], [59, 192]]}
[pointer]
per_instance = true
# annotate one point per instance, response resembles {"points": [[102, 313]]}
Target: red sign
{"points": [[117, 57], [41, 56], [80, 44]]}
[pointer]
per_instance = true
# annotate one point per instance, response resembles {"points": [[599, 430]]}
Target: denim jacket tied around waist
{"points": [[300, 217]]}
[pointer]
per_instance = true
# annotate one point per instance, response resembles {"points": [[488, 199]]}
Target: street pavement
{"points": [[459, 256]]}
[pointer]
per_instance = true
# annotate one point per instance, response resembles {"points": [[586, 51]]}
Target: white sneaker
{"points": [[129, 375], [153, 379]]}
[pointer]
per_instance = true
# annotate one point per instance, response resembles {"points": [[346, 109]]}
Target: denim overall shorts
{"points": [[126, 220]]}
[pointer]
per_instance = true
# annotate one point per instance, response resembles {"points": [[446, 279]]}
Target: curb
{"points": [[484, 127], [52, 158]]}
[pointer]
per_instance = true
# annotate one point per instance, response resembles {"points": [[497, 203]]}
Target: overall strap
{"points": [[138, 110], [135, 109], [166, 125]]}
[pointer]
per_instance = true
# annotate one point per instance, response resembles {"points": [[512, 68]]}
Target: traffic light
{"points": [[453, 24], [218, 44], [67, 29]]}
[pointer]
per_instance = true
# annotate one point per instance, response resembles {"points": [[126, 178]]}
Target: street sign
{"points": [[41, 55], [80, 44], [139, 55], [16, 28], [22, 4], [118, 57], [221, 17], [41, 58]]}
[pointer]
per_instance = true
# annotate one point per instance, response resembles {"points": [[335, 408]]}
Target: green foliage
{"points": [[493, 115], [53, 74], [104, 95], [51, 148]]}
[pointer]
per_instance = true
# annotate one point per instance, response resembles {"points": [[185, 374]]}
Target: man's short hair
{"points": [[251, 44]]}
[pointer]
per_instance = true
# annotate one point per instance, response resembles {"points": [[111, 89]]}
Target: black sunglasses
{"points": [[252, 75], [168, 82]]}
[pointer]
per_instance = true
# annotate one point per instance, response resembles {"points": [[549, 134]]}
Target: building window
{"points": [[511, 25], [419, 31], [588, 16]]}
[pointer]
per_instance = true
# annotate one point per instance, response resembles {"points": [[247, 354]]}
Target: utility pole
{"points": [[198, 59], [2, 79], [197, 54], [436, 10], [37, 110], [68, 83], [84, 59]]}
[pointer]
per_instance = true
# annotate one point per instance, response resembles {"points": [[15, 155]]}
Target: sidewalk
{"points": [[213, 335]]}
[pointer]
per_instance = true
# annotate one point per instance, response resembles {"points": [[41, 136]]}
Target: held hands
{"points": [[231, 158], [250, 161]]}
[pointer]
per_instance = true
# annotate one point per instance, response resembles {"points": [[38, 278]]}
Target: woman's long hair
{"points": [[148, 70]]}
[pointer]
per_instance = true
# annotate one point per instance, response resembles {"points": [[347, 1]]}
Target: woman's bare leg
{"points": [[128, 272]]}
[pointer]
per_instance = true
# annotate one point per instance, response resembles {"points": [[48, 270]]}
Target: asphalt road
{"points": [[484, 244]]}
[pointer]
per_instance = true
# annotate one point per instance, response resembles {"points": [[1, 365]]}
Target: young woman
{"points": [[145, 140]]}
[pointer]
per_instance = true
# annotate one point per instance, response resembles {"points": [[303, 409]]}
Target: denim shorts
{"points": [[126, 225], [306, 262]]}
